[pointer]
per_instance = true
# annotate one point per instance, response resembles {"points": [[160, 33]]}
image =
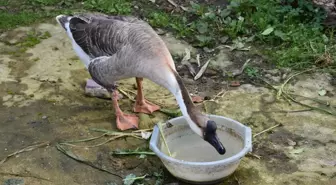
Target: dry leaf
{"points": [[202, 70], [146, 135], [322, 92], [172, 3]]}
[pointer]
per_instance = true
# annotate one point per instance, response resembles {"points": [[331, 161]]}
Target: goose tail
{"points": [[63, 20]]}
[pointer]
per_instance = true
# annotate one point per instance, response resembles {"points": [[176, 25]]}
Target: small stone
{"points": [[269, 98], [273, 71], [286, 70], [14, 182], [276, 78], [284, 76], [197, 99], [210, 72], [224, 39], [235, 84], [291, 142], [44, 117], [207, 98]]}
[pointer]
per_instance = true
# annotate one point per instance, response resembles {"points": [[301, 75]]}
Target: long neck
{"points": [[183, 98]]}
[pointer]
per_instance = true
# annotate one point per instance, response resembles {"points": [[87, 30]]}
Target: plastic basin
{"points": [[196, 161]]}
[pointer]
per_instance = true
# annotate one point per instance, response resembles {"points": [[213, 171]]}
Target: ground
{"points": [[43, 100]]}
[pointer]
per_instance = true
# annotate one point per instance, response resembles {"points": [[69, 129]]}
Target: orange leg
{"points": [[142, 105], [124, 121]]}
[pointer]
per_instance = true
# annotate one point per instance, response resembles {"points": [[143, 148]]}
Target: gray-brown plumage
{"points": [[119, 47]]}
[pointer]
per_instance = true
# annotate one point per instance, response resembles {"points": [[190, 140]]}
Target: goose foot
{"points": [[124, 121], [142, 105], [146, 107], [127, 121]]}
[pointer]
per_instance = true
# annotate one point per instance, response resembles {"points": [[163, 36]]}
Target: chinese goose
{"points": [[118, 47]]}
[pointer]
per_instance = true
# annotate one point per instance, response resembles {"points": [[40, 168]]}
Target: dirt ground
{"points": [[43, 100]]}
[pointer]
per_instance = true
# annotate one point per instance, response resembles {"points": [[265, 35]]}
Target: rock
{"points": [[210, 72], [224, 39], [268, 98], [284, 76], [95, 90], [235, 84], [14, 182], [197, 99], [274, 78], [273, 71], [44, 117], [291, 142]]}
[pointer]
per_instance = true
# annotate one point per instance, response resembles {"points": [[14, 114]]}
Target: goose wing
{"points": [[89, 17], [98, 37], [103, 35]]}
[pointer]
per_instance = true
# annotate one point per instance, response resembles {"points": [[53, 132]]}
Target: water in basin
{"points": [[186, 145]]}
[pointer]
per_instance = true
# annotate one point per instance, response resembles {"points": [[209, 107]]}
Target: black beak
{"points": [[213, 139], [210, 136]]}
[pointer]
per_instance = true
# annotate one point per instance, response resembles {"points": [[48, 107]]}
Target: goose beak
{"points": [[213, 139]]}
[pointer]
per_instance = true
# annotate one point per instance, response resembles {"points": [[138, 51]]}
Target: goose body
{"points": [[118, 47]]}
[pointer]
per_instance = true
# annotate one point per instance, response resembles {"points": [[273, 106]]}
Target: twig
{"points": [[172, 3], [164, 139], [115, 133], [125, 94], [280, 90], [287, 111], [309, 106], [132, 153], [266, 130], [202, 70], [242, 69], [326, 103], [79, 159], [254, 155], [198, 60], [85, 140], [143, 130], [289, 98], [26, 149], [237, 179], [92, 146], [135, 134], [190, 68], [24, 175]]}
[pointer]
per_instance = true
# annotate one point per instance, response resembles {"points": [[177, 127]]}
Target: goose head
{"points": [[205, 128]]}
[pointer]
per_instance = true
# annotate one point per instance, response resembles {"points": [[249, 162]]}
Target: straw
{"points": [[164, 139]]}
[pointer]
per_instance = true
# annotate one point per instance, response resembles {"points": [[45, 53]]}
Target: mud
{"points": [[42, 99]]}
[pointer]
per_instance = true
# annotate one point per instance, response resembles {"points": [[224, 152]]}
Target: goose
{"points": [[115, 47]]}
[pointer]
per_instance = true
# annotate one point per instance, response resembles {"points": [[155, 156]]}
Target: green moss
{"points": [[12, 20], [109, 6], [32, 39], [43, 2]]}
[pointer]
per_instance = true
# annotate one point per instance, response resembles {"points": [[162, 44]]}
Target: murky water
{"points": [[187, 146]]}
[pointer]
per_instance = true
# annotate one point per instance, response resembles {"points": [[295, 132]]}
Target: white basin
{"points": [[195, 160]]}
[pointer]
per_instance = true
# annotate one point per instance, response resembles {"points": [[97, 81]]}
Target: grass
{"points": [[288, 36]]}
